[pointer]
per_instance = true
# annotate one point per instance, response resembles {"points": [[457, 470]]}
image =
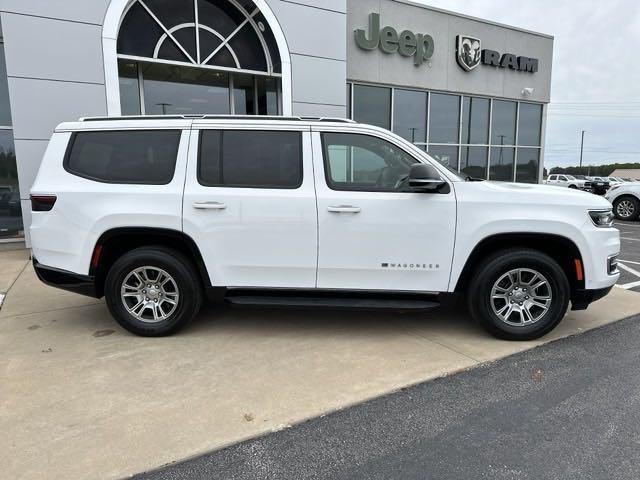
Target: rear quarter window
{"points": [[134, 156]]}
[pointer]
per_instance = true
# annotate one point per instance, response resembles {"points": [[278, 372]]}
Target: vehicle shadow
{"points": [[293, 322]]}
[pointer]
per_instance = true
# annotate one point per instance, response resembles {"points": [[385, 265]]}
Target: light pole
{"points": [[581, 147], [164, 107]]}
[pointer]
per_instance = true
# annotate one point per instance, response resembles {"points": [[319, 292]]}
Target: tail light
{"points": [[42, 203]]}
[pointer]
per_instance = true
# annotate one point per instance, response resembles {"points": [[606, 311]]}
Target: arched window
{"points": [[196, 57]]}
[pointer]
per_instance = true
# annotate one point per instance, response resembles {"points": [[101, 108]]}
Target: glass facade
{"points": [[372, 105], [483, 137], [165, 89], [11, 227]]}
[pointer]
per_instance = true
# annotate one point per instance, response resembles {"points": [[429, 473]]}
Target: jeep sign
{"points": [[406, 43]]}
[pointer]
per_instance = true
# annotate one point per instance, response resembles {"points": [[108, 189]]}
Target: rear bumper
{"points": [[580, 299], [72, 282]]}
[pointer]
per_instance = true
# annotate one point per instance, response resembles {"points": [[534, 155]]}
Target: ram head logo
{"points": [[468, 52]]}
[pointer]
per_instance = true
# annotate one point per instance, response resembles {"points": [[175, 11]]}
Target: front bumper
{"points": [[581, 298], [72, 282]]}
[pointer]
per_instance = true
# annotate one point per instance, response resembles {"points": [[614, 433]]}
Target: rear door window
{"points": [[250, 159], [128, 156]]}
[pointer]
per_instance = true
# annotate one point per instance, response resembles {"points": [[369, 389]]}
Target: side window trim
{"points": [[327, 166], [222, 131], [72, 141]]}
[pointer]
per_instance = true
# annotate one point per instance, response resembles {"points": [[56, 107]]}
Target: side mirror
{"points": [[425, 178]]}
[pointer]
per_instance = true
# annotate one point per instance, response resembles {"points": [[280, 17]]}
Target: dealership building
{"points": [[471, 92]]}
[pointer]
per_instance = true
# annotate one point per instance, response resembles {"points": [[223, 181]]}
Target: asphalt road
{"points": [[567, 410], [629, 255]]}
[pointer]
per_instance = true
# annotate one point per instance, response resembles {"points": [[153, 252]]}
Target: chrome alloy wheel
{"points": [[150, 294], [625, 208], [521, 297]]}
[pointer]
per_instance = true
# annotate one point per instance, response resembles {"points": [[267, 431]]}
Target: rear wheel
{"points": [[153, 291], [626, 208], [518, 294]]}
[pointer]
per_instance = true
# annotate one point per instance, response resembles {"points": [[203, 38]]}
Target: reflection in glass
{"points": [[529, 123], [267, 96], [475, 120], [410, 115], [372, 105], [527, 170], [444, 118], [363, 162], [501, 166], [129, 88], [473, 161], [5, 109], [170, 89], [10, 211], [503, 123], [243, 95], [444, 154]]}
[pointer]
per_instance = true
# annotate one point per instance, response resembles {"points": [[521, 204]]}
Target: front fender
{"points": [[468, 239]]}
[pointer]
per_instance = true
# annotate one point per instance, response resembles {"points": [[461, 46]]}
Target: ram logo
{"points": [[468, 52]]}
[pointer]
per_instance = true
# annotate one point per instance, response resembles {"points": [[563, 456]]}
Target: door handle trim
{"points": [[209, 205], [343, 209]]}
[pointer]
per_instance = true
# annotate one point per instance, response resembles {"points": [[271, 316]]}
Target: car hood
{"points": [[524, 193]]}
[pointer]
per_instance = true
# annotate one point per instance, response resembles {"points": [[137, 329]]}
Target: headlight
{"points": [[602, 218], [614, 187]]}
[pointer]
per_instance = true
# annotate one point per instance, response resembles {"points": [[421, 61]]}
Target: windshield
{"points": [[570, 177]]}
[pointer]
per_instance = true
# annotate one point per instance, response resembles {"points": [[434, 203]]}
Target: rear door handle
{"points": [[343, 209], [209, 205]]}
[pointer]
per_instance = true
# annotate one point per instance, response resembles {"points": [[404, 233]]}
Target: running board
{"points": [[373, 302]]}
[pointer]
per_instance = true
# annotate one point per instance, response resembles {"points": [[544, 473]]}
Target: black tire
{"points": [[630, 202], [182, 272], [498, 264], [573, 186]]}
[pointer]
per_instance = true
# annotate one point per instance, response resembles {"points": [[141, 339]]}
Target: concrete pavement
{"points": [[570, 410], [81, 398]]}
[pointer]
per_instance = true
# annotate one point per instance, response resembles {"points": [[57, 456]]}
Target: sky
{"points": [[595, 76]]}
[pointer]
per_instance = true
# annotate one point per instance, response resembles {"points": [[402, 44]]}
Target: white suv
{"points": [[625, 198], [154, 213], [568, 181]]}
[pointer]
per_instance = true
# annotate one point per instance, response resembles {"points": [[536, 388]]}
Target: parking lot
{"points": [[629, 255], [82, 398]]}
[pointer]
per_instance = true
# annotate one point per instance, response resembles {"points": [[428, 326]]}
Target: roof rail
{"points": [[217, 117]]}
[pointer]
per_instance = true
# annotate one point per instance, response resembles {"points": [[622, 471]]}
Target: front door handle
{"points": [[343, 209], [209, 205]]}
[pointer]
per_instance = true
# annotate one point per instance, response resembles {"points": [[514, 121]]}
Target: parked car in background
{"points": [[625, 198], [568, 181], [13, 204], [614, 181], [599, 185], [5, 193]]}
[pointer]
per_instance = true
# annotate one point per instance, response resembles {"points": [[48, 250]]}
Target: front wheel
{"points": [[573, 186], [626, 208], [519, 294], [153, 291]]}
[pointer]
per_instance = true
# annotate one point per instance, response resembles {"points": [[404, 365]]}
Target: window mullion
{"points": [[197, 22], [143, 108]]}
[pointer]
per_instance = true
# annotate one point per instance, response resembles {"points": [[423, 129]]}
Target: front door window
{"points": [[364, 163]]}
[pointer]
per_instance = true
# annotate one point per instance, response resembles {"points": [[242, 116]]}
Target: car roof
{"points": [[186, 121]]}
